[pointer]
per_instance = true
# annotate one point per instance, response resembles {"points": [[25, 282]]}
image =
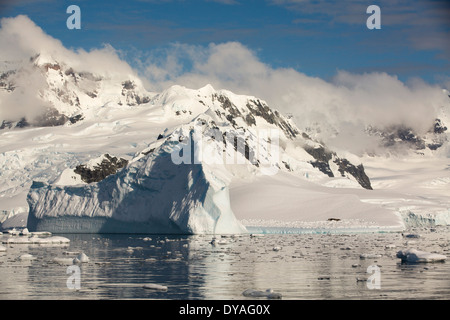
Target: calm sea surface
{"points": [[298, 266]]}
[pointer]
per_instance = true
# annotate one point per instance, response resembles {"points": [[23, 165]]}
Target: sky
{"points": [[315, 37], [312, 59]]}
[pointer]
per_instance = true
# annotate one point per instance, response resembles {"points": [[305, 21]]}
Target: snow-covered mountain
{"points": [[99, 153]]}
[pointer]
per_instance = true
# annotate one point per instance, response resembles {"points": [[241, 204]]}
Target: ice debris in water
{"points": [[222, 241], [152, 286], [63, 261], [369, 256], [26, 256], [81, 258], [414, 255], [2, 248], [269, 293]]}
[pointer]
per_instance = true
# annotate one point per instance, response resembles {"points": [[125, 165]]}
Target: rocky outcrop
{"points": [[323, 156], [108, 166]]}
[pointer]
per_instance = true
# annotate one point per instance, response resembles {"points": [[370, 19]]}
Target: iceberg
{"points": [[414, 255], [150, 195]]}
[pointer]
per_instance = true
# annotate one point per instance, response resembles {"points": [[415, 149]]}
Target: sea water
{"points": [[298, 266]]}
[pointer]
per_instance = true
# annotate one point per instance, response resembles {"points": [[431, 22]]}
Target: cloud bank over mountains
{"points": [[346, 103]]}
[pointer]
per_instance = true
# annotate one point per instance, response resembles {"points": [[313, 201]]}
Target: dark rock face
{"points": [[405, 136], [356, 171], [76, 118], [5, 83], [438, 127], [22, 123], [128, 87], [50, 118], [256, 108], [109, 166], [323, 157]]}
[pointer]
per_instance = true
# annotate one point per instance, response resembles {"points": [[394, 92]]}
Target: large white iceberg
{"points": [[151, 195]]}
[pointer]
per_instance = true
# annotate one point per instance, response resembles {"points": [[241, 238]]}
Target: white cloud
{"points": [[347, 103], [21, 39]]}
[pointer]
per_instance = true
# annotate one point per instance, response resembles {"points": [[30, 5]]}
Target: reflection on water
{"points": [[312, 266]]}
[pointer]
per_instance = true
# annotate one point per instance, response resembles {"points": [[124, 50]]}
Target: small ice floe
{"points": [[70, 253], [390, 246], [355, 265], [2, 248], [147, 239], [81, 258], [414, 255], [49, 240], [63, 261], [276, 248], [222, 241], [41, 233], [369, 256], [256, 235], [269, 293], [26, 257], [24, 232], [157, 287], [17, 240], [13, 232], [36, 240]]}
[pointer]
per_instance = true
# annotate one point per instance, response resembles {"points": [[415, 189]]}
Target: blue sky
{"points": [[314, 37]]}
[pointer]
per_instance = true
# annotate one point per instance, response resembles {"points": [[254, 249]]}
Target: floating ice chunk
{"points": [[157, 287], [2, 248], [269, 293], [276, 248], [390, 246], [26, 256], [81, 258], [16, 240], [222, 241], [48, 240], [369, 256], [256, 235], [414, 255], [25, 232], [13, 232], [63, 261], [71, 253], [41, 234], [147, 239]]}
